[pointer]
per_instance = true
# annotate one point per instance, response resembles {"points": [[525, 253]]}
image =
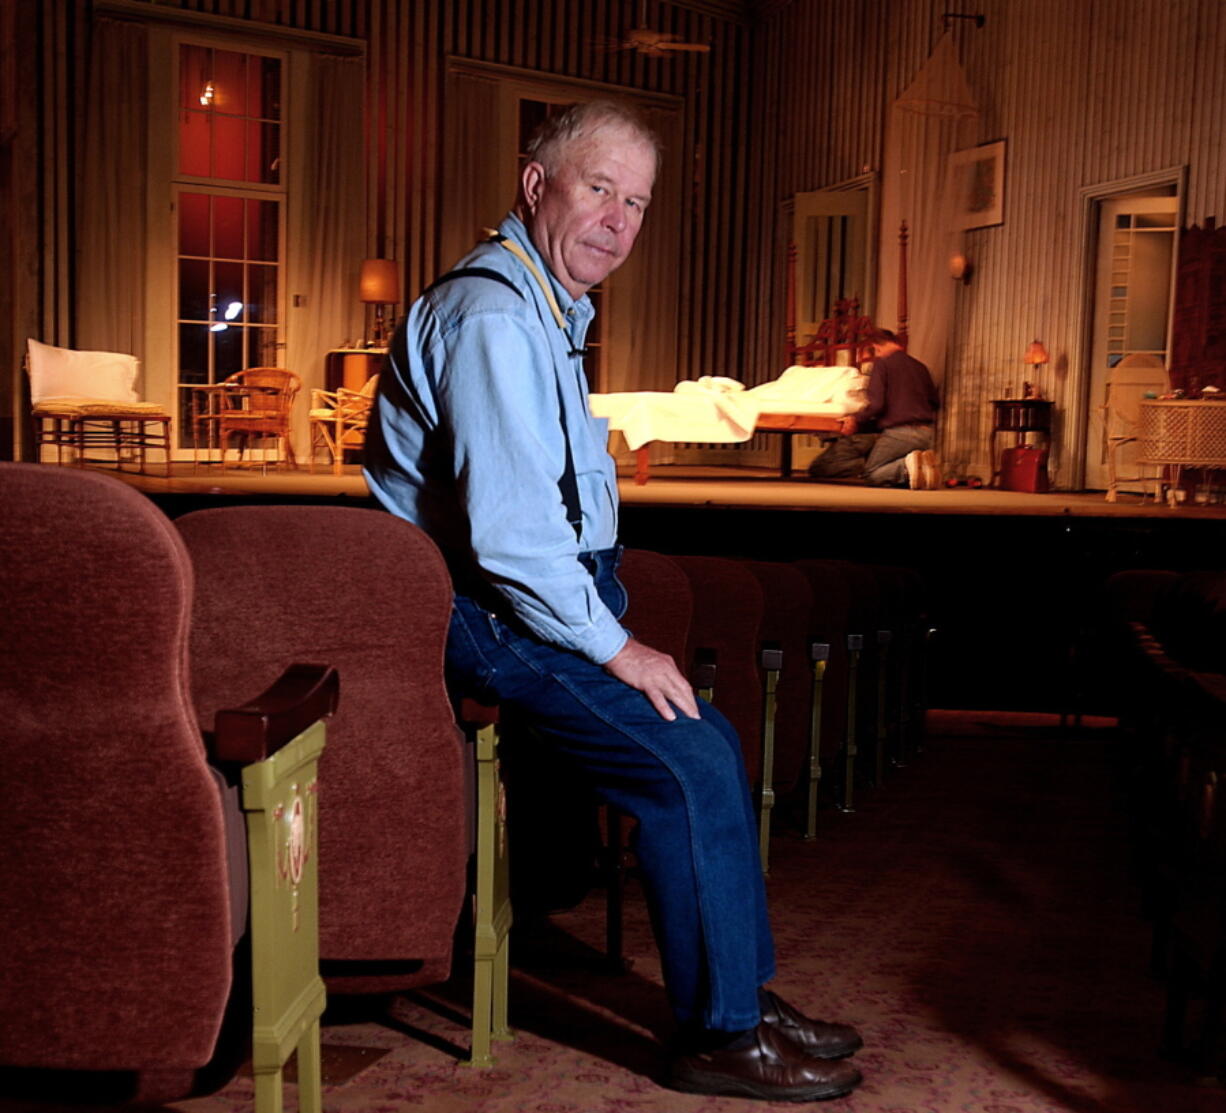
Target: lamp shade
{"points": [[1035, 353], [380, 282]]}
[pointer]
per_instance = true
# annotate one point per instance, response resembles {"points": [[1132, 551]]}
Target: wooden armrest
{"points": [[299, 697]]}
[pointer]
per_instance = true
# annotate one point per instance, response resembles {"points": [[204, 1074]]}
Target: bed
{"points": [[819, 388]]}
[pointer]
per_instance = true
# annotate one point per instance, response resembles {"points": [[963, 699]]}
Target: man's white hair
{"points": [[556, 133]]}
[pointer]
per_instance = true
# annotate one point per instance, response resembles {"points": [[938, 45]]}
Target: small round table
{"points": [[1019, 416]]}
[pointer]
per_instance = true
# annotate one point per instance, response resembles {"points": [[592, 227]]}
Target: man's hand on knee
{"points": [[656, 675]]}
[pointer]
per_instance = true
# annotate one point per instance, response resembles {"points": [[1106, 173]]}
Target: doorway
{"points": [[1133, 284]]}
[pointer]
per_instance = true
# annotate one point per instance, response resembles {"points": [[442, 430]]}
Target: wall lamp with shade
{"points": [[379, 285]]}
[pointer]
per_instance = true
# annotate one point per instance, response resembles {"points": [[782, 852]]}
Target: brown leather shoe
{"points": [[817, 1038], [770, 1068]]}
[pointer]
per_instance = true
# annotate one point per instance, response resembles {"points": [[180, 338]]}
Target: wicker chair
{"points": [[338, 421]]}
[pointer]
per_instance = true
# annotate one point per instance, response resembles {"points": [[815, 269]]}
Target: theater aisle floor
{"points": [[976, 917]]}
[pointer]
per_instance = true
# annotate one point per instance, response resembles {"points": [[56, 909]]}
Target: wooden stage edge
{"points": [[1013, 580], [712, 487]]}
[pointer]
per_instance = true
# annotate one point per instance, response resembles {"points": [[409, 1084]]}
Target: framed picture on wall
{"points": [[977, 184]]}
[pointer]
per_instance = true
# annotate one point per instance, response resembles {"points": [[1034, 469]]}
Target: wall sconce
{"points": [[1036, 355], [379, 285], [960, 268]]}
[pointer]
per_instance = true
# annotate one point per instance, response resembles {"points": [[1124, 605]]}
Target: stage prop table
{"points": [[1180, 434], [1018, 416], [721, 411]]}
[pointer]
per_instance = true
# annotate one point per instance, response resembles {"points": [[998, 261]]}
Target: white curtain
{"points": [[477, 190], [934, 117], [110, 299], [326, 222]]}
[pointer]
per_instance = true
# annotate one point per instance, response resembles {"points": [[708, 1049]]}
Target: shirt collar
{"points": [[515, 229]]}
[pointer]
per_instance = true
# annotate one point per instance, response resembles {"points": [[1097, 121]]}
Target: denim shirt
{"points": [[466, 442]]}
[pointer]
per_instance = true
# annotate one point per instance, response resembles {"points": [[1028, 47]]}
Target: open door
{"points": [[1134, 279]]}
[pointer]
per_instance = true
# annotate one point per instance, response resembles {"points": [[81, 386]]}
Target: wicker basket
{"points": [[1189, 434]]}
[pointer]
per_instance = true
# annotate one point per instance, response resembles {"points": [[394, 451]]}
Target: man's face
{"points": [[584, 218]]}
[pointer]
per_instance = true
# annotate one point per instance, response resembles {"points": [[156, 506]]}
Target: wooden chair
{"points": [[257, 402], [131, 975], [338, 421], [87, 400]]}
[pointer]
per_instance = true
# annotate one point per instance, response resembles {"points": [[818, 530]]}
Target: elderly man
{"points": [[483, 437]]}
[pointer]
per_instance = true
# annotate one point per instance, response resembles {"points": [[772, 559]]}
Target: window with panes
{"points": [[229, 201]]}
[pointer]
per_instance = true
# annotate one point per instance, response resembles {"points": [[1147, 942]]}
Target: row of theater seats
{"points": [[125, 640], [1167, 634], [818, 664]]}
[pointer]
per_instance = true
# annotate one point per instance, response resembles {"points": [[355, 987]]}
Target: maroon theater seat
{"points": [[658, 613], [124, 866], [728, 607], [370, 595], [831, 622], [788, 600], [661, 604]]}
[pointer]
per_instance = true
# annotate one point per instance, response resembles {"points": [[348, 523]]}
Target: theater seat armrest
{"points": [[705, 664], [474, 715], [300, 696]]}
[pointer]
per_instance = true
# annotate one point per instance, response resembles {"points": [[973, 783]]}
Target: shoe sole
{"points": [[916, 475], [723, 1086]]}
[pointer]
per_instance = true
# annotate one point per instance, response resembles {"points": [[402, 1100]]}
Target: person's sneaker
{"points": [[931, 467], [916, 477]]}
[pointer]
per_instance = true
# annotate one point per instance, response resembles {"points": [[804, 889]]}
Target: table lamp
{"points": [[379, 286], [1036, 356]]}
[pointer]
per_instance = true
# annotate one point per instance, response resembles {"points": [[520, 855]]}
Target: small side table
{"points": [[1018, 416]]}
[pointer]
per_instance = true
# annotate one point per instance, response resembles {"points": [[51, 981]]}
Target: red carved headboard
{"points": [[847, 329]]}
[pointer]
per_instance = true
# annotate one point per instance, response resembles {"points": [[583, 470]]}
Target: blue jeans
{"points": [[684, 782], [877, 458], [885, 466]]}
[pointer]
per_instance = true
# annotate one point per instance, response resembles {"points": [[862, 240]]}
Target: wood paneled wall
{"points": [[1087, 92]]}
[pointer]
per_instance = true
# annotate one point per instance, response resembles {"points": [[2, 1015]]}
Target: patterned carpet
{"points": [[975, 918]]}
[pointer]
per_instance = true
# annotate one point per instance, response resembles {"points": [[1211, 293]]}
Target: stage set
{"points": [[1013, 578]]}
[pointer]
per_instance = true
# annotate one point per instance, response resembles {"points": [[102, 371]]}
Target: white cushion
{"points": [[102, 376]]}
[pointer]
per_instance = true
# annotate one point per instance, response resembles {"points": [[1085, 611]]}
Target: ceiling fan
{"points": [[657, 44]]}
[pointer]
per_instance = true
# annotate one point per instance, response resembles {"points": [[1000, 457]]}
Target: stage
{"points": [[688, 486], [1013, 578]]}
